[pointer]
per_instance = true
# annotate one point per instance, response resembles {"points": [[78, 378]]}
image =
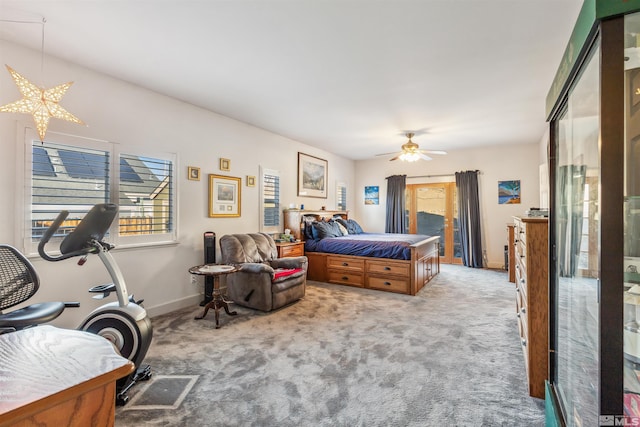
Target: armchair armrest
{"points": [[293, 262], [255, 267]]}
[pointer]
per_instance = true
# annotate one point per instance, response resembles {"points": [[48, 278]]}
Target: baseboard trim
{"points": [[495, 266]]}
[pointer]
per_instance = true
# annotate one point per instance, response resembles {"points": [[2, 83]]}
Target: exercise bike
{"points": [[124, 323]]}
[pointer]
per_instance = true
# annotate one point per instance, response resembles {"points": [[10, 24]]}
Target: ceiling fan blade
{"points": [[434, 151], [386, 154], [424, 156], [395, 158]]}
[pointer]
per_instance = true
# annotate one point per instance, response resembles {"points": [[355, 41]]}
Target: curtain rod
{"points": [[439, 175]]}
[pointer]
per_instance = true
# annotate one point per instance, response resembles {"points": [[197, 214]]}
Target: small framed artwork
{"points": [[251, 181], [193, 173], [312, 176], [371, 195], [225, 165], [509, 192], [224, 196]]}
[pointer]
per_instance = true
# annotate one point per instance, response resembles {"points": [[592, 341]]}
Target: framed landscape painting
{"points": [[509, 192], [312, 176], [371, 195], [224, 196]]}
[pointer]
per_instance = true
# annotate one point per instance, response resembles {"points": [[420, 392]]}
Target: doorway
{"points": [[433, 210]]}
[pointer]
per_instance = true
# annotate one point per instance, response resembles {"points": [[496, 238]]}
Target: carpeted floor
{"points": [[346, 356]]}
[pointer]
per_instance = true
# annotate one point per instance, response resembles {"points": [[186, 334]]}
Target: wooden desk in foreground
{"points": [[54, 377]]}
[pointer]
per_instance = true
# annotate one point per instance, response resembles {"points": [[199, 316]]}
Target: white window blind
{"points": [[270, 199], [145, 195], [75, 177], [341, 197], [66, 178]]}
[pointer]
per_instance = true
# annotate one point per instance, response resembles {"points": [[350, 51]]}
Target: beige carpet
{"points": [[345, 356]]}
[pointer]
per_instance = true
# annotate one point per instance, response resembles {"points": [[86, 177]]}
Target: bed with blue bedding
{"points": [[376, 245], [340, 252]]}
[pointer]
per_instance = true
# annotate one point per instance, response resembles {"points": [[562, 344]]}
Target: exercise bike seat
{"points": [[30, 315], [19, 282]]}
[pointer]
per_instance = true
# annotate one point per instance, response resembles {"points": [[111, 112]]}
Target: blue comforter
{"points": [[385, 245]]}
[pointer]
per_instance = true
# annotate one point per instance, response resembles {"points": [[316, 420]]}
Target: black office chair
{"points": [[19, 282]]}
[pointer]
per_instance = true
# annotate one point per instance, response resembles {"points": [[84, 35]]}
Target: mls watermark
{"points": [[618, 420]]}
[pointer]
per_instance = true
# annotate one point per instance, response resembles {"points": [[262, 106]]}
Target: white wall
{"points": [[499, 163], [134, 117]]}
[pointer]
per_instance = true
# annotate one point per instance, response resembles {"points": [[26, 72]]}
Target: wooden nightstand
{"points": [[290, 249]]}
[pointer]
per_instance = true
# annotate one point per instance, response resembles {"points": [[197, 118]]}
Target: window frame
{"points": [[268, 228], [25, 191]]}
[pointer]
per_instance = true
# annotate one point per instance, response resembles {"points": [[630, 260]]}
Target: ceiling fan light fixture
{"points": [[408, 156], [411, 152]]}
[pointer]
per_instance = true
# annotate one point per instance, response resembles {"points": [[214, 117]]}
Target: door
{"points": [[433, 210]]}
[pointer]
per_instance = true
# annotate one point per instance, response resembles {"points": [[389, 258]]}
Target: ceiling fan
{"points": [[411, 151]]}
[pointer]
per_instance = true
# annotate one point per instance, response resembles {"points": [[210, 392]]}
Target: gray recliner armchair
{"points": [[263, 281]]}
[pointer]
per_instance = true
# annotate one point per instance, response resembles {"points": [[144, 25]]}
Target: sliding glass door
{"points": [[433, 211], [577, 196]]}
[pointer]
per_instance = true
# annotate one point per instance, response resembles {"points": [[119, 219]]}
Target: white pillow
{"points": [[343, 229]]}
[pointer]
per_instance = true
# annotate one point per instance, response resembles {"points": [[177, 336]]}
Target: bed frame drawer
{"points": [[388, 267], [344, 263], [388, 284], [343, 277]]}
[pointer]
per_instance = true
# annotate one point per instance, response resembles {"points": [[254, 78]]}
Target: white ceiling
{"points": [[349, 76]]}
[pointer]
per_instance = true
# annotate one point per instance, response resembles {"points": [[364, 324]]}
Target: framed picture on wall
{"points": [[225, 165], [193, 173], [509, 192], [312, 176], [371, 195], [224, 196]]}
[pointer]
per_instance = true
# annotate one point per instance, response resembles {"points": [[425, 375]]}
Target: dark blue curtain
{"points": [[569, 200], [395, 222], [469, 217]]}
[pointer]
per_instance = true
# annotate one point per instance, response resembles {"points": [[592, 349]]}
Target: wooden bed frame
{"points": [[402, 276]]}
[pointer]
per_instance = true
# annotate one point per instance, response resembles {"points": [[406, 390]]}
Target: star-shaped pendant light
{"points": [[41, 103]]}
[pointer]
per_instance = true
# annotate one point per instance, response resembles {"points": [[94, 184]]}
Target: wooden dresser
{"points": [[511, 262], [530, 243]]}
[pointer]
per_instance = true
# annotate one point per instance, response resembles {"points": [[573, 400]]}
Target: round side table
{"points": [[217, 301]]}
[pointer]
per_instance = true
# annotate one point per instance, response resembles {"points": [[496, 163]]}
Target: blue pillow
{"points": [[308, 226], [351, 225], [322, 230], [356, 227]]}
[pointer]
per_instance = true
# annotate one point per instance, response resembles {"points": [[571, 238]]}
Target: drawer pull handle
{"points": [[518, 315], [387, 268], [523, 310], [524, 342], [345, 278], [522, 280], [345, 264], [517, 289], [387, 283]]}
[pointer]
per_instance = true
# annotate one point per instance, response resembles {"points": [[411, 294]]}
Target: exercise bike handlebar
{"points": [[50, 232]]}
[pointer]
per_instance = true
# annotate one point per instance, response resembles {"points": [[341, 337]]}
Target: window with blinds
{"points": [[270, 198], [66, 178], [341, 197], [74, 178], [145, 198]]}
